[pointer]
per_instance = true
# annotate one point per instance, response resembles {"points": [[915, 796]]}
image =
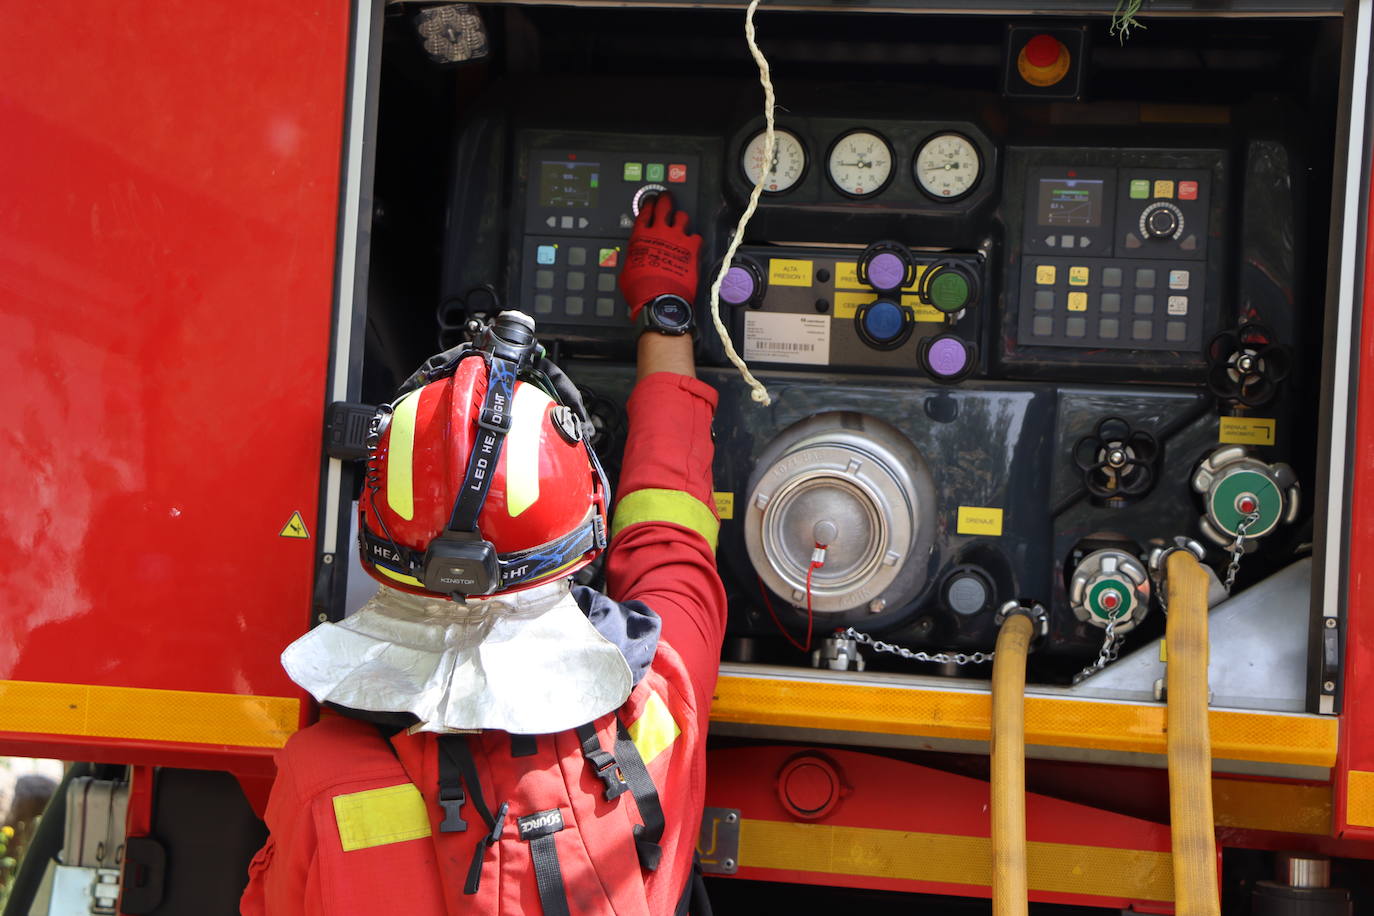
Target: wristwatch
{"points": [[671, 315]]}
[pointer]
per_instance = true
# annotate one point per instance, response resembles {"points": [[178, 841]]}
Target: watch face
{"points": [[671, 313]]}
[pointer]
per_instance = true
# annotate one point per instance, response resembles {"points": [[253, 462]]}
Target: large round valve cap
{"points": [[947, 357], [886, 266], [743, 283], [884, 321], [1043, 61], [949, 290]]}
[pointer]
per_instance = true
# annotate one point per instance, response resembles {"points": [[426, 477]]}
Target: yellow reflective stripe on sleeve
{"points": [[400, 490], [672, 506], [378, 817], [654, 730], [522, 448]]}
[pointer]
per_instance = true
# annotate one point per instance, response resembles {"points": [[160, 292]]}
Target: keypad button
{"points": [[634, 171], [1187, 190], [1176, 331], [565, 221], [608, 257], [1178, 279], [543, 279], [1109, 328], [577, 280], [605, 307], [1140, 189], [1042, 326], [1045, 275], [677, 173], [574, 305], [1079, 276], [546, 254], [543, 304], [1178, 306], [1075, 327], [1078, 302], [1066, 241], [1142, 329], [1144, 304], [605, 282], [1111, 277], [1164, 189], [653, 171], [1145, 278], [1044, 299], [1110, 303], [577, 256]]}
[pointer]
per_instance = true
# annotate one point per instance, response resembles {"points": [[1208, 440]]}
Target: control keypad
{"points": [[1112, 304]]}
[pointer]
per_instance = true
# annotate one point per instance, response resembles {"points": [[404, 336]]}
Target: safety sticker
{"points": [[847, 304], [789, 272], [725, 505], [980, 520], [1246, 431], [295, 528], [787, 338]]}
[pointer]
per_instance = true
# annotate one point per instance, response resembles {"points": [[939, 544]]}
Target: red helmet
{"points": [[541, 514]]}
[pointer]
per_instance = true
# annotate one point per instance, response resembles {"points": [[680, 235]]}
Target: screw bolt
{"points": [[876, 606], [1329, 686]]}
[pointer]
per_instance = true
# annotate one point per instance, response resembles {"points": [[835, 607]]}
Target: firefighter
{"points": [[510, 742]]}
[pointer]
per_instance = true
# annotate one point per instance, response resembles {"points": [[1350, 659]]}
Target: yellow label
{"points": [[787, 272], [725, 505], [379, 817], [1078, 276], [1044, 274], [1164, 189], [847, 275], [294, 527], [1163, 651], [922, 311], [1078, 302], [980, 520], [1246, 431], [847, 304]]}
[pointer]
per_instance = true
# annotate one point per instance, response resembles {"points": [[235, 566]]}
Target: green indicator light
{"points": [[1140, 189], [949, 291], [653, 171], [634, 171]]}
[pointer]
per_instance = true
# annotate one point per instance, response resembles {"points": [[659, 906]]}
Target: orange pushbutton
{"points": [[1043, 61]]}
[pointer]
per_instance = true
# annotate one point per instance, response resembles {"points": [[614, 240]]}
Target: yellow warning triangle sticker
{"points": [[295, 528]]}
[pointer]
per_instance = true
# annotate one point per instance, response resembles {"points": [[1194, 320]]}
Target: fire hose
{"points": [[1009, 766]]}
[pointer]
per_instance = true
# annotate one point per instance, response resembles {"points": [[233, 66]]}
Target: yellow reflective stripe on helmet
{"points": [[399, 577], [400, 491], [655, 729], [522, 448], [378, 817], [672, 506]]}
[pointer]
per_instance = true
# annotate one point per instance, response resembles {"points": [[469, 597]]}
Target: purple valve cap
{"points": [[947, 357], [738, 286], [886, 270]]}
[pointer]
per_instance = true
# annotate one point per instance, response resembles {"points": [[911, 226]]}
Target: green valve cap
{"points": [[1108, 600], [949, 290]]}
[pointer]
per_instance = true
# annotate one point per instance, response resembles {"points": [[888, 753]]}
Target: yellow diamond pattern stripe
{"points": [[1253, 804], [378, 817], [1304, 740], [1359, 799], [142, 714], [673, 506], [950, 859]]}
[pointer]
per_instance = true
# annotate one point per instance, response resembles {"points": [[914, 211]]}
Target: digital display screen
{"points": [[568, 184], [1075, 202]]}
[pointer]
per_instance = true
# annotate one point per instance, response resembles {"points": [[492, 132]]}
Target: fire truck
{"points": [[1044, 295]]}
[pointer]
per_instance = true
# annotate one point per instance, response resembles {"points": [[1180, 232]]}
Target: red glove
{"points": [[661, 258]]}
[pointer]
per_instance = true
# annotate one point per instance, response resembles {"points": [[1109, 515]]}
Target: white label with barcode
{"points": [[783, 338]]}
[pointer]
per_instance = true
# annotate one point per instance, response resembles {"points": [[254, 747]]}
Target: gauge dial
{"points": [[947, 166], [860, 163], [788, 166]]}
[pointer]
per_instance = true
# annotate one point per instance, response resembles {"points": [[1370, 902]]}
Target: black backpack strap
{"points": [[538, 830], [524, 745], [648, 834], [455, 750], [694, 901], [451, 795], [601, 761]]}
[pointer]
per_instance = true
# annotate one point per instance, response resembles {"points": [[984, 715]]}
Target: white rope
{"points": [[759, 393]]}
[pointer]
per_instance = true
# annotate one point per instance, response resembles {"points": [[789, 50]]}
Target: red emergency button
{"points": [[677, 173], [1187, 190], [1043, 61]]}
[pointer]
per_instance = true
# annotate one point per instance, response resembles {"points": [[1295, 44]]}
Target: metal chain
{"points": [[943, 658], [1111, 648], [1238, 549]]}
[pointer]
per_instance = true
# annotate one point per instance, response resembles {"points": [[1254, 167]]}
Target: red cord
{"points": [[810, 618]]}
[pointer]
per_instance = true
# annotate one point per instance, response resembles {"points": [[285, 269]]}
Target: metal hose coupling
{"points": [[1033, 610]]}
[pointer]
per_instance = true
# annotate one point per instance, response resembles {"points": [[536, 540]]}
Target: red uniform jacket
{"points": [[355, 824]]}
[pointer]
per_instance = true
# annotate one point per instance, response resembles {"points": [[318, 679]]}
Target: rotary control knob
{"points": [[1161, 220], [647, 191], [949, 286], [1235, 485], [744, 283], [1110, 585], [887, 266], [883, 324]]}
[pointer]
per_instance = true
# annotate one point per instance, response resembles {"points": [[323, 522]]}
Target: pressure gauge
{"points": [[787, 168], [860, 163], [947, 166]]}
